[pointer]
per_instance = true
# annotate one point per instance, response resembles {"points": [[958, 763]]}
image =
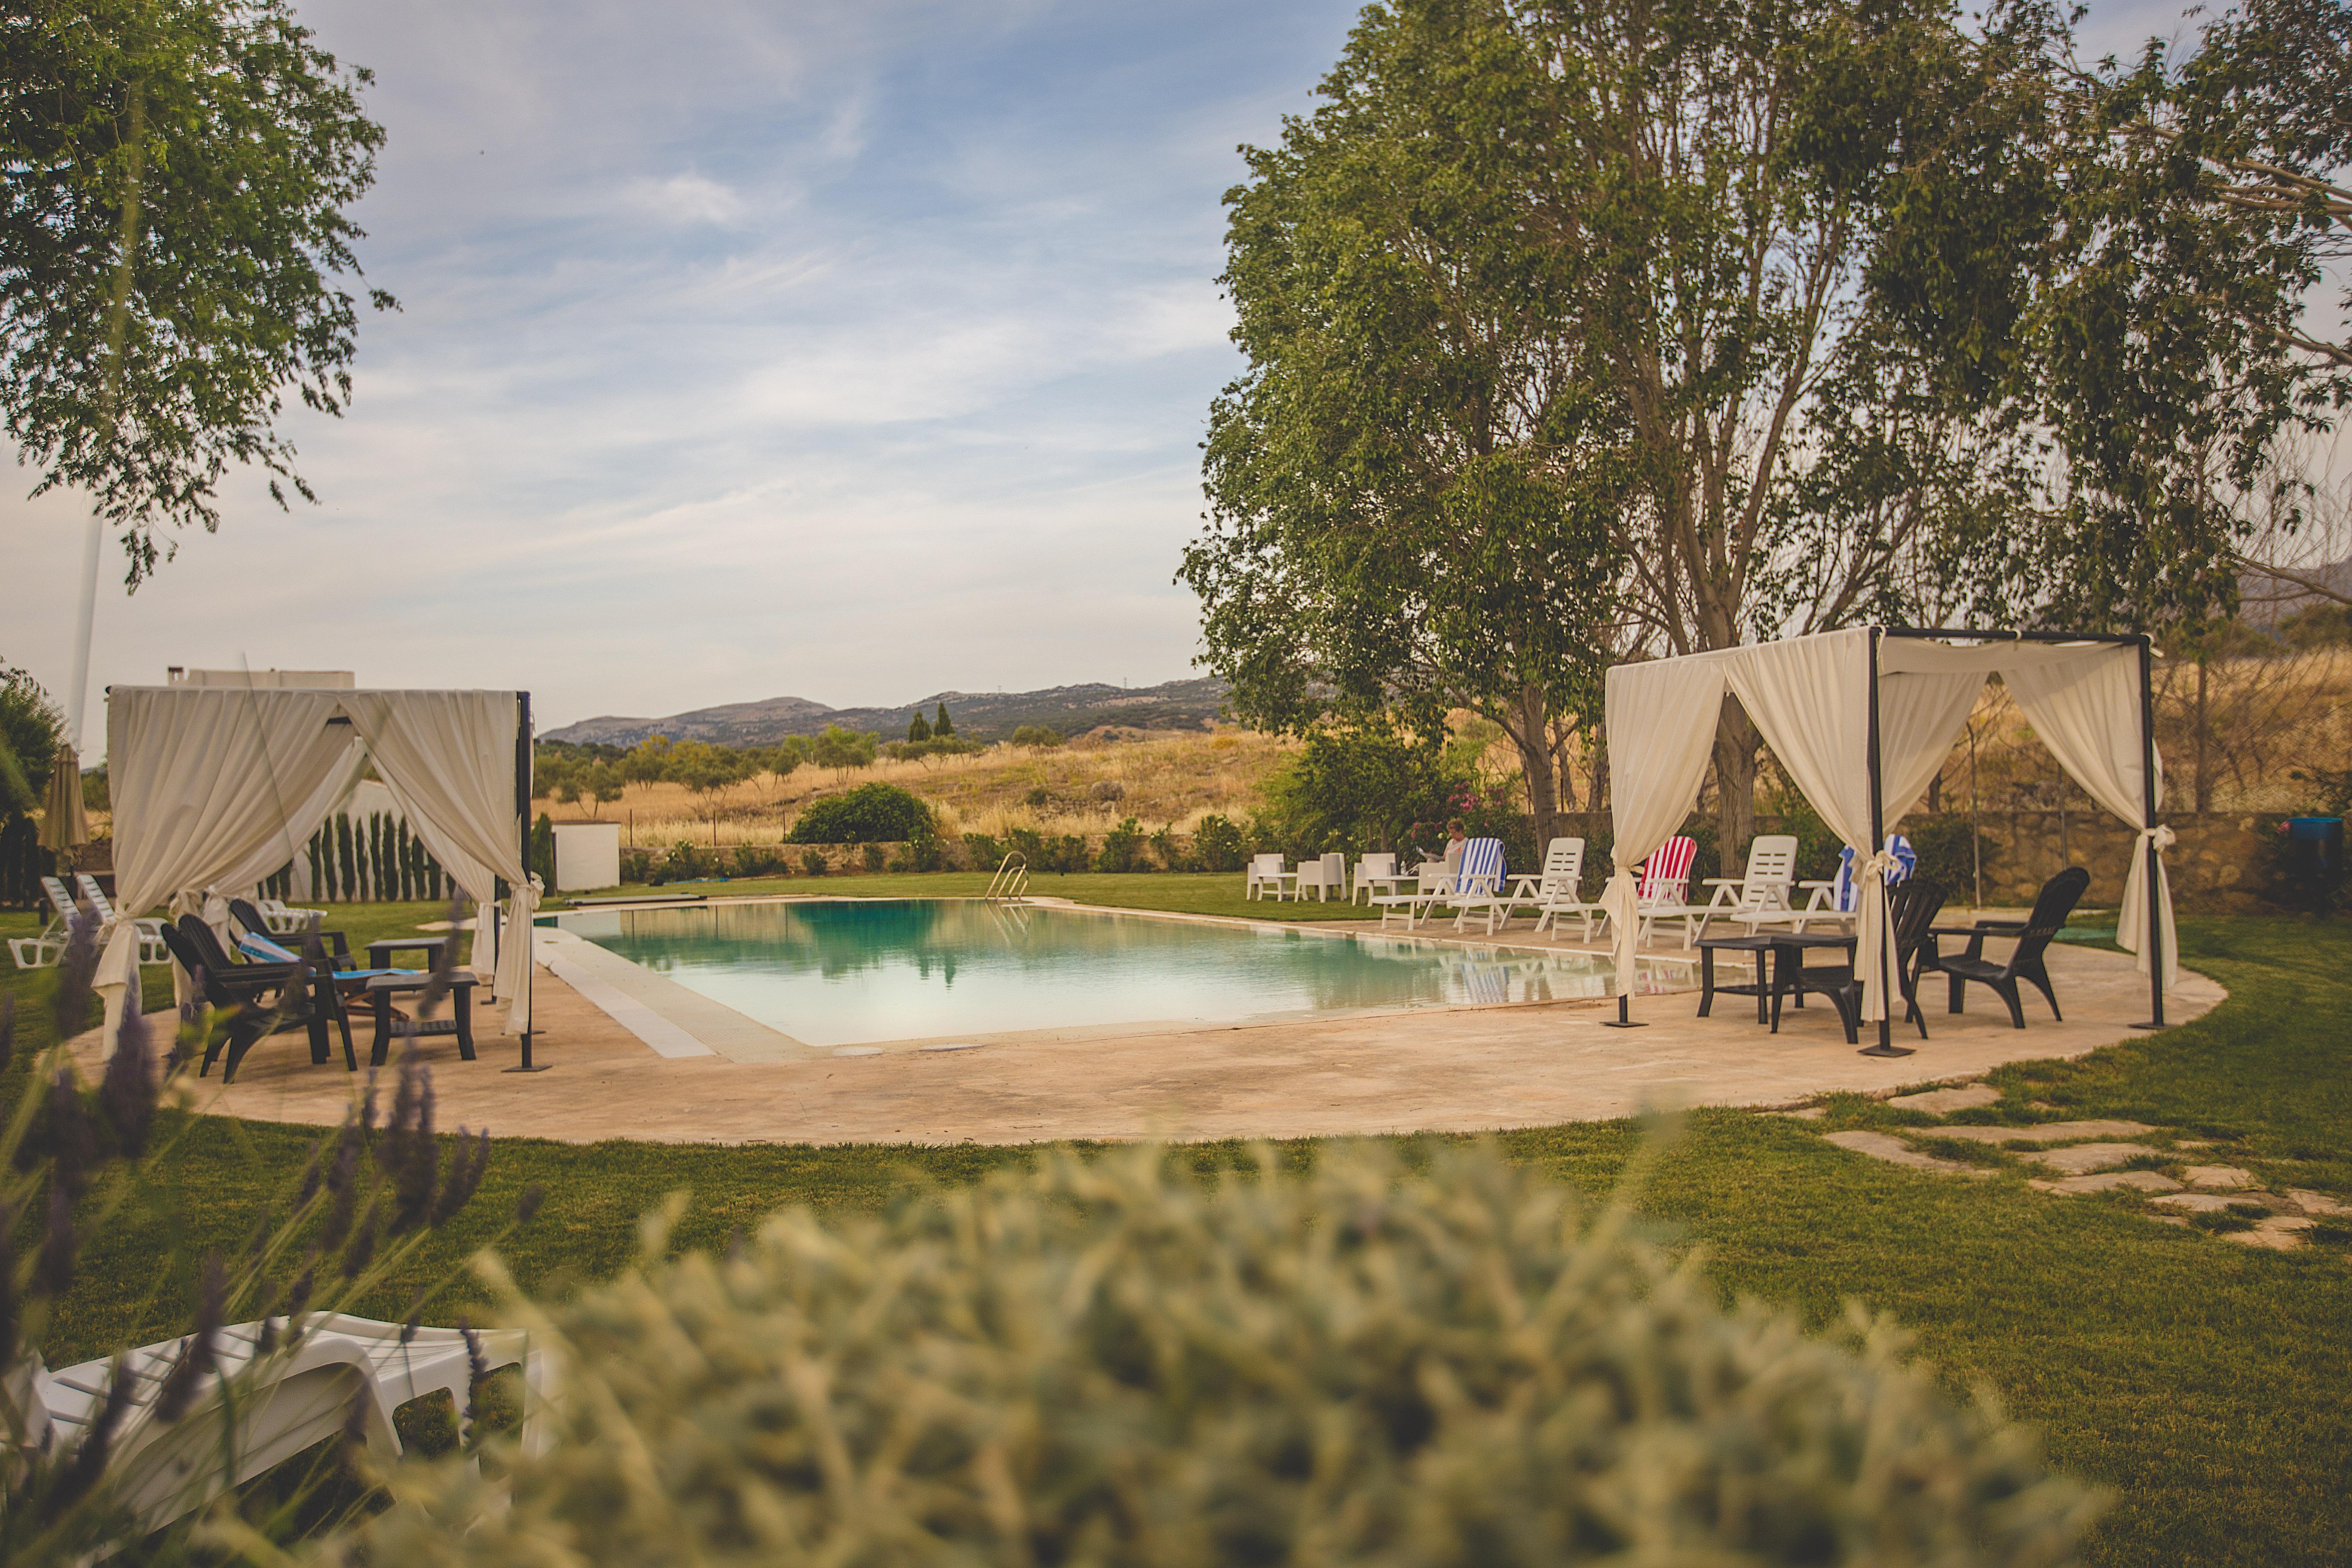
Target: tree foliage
{"points": [[1409, 486], [1671, 327], [227, 144]]}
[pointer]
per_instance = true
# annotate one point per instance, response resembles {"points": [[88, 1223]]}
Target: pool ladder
{"points": [[1012, 878]]}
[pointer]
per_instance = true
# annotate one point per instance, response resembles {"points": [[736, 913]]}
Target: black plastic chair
{"points": [[1912, 905], [257, 998], [337, 946], [2034, 933]]}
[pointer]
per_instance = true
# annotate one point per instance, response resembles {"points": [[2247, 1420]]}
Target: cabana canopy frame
{"points": [[1861, 720], [216, 787]]}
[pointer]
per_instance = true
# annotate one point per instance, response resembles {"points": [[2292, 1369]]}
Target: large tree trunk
{"points": [[2204, 746], [1735, 740], [1528, 723]]}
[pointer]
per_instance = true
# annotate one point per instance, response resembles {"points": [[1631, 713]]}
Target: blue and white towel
{"points": [[261, 950], [1906, 862], [1482, 867]]}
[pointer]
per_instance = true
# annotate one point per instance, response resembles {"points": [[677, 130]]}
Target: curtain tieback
{"points": [[1878, 866], [2163, 838]]}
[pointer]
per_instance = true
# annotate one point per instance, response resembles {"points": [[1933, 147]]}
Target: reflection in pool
{"points": [[832, 973]]}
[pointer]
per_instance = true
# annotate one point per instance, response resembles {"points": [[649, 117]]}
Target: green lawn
{"points": [[2204, 1382]]}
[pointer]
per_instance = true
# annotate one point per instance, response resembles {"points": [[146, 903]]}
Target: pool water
{"points": [[852, 972]]}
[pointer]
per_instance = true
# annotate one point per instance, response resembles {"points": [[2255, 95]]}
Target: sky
{"points": [[851, 350]]}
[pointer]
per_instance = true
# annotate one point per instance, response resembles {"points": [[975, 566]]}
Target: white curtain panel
{"points": [[211, 787], [474, 878], [1660, 725], [2087, 710], [1811, 699], [449, 756]]}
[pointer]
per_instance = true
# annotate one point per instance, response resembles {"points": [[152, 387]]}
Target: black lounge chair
{"points": [[257, 998], [336, 947], [2056, 901], [1912, 907]]}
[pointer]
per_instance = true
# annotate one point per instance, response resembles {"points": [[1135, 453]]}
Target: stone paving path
{"points": [[2227, 1202]]}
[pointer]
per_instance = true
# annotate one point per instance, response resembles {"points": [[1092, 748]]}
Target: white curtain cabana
{"points": [[1861, 720], [216, 787]]}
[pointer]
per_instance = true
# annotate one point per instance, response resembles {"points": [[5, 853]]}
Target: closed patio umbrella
{"points": [[63, 823]]}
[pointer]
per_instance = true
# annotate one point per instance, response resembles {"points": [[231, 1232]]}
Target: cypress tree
{"points": [[940, 726], [917, 729], [318, 862], [344, 862]]}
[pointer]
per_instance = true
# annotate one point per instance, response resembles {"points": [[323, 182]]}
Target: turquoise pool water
{"points": [[852, 972]]}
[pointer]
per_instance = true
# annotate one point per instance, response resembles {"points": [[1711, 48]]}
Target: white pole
{"points": [[85, 613]]}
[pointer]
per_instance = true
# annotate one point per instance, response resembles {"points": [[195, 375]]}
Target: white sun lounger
{"points": [[283, 1403]]}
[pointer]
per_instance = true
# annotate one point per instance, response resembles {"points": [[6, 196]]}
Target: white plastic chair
{"points": [[1557, 892], [1266, 871], [151, 931], [1761, 896], [1432, 881], [43, 949], [284, 920], [283, 1402], [1327, 875], [1374, 873], [1477, 882]]}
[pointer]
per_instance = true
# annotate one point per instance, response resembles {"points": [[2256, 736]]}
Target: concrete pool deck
{"points": [[1457, 1070]]}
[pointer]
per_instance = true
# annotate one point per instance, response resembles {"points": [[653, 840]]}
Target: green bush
{"points": [[1217, 845], [758, 860], [1172, 857], [1031, 846], [1947, 855], [1116, 1361], [1359, 789], [685, 863], [982, 851], [869, 812], [1037, 735], [1122, 847], [636, 866], [873, 857], [812, 863], [543, 852]]}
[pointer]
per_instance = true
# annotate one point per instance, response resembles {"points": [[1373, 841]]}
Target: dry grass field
{"points": [[2263, 718], [1161, 779]]}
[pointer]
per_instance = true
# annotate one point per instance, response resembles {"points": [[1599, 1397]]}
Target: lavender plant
{"points": [[1113, 1363], [81, 1155]]}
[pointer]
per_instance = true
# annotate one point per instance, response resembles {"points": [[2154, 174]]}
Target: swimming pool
{"points": [[854, 971]]}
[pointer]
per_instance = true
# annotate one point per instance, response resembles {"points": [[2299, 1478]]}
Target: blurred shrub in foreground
{"points": [[1117, 1362]]}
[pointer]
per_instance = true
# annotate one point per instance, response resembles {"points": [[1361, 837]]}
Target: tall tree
{"points": [[1408, 485], [190, 161], [2184, 347]]}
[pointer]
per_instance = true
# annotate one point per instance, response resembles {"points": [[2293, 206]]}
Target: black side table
{"points": [[384, 987], [1760, 945], [1789, 975], [380, 952]]}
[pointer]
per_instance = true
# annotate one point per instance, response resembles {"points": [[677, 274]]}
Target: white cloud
{"points": [[688, 198]]}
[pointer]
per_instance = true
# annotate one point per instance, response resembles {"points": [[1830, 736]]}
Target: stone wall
{"points": [[2217, 854]]}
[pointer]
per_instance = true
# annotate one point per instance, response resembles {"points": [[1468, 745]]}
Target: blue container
{"points": [[2315, 856]]}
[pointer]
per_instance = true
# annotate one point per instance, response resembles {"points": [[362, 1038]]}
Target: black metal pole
{"points": [[1885, 1045], [2153, 943], [522, 840]]}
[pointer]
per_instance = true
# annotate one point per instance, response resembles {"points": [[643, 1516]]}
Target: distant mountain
{"points": [[977, 715]]}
